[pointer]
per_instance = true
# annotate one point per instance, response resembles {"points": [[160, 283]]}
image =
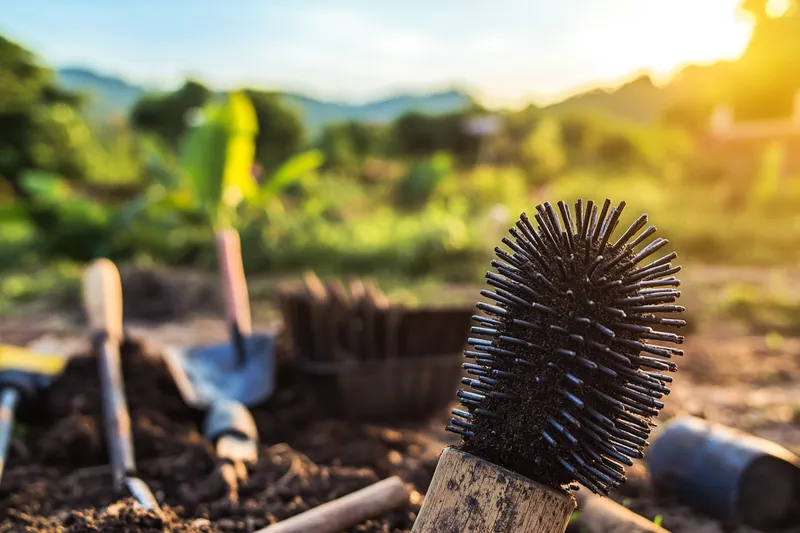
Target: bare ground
{"points": [[728, 375]]}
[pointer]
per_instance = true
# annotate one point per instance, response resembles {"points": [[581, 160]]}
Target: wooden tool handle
{"points": [[604, 515], [347, 511], [470, 495], [116, 418], [234, 283], [102, 298]]}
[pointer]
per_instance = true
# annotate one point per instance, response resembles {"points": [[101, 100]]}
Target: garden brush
{"points": [[102, 293], [23, 375], [564, 382]]}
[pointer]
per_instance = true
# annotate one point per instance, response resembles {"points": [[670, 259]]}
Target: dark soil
{"points": [[158, 294], [57, 478]]}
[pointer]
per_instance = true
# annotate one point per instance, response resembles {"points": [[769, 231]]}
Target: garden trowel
{"points": [[24, 374], [226, 378]]}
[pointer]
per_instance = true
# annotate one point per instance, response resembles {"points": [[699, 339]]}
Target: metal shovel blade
{"points": [[142, 494], [207, 373]]}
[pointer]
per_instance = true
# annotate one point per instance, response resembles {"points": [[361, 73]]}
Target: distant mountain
{"points": [[108, 95], [639, 100], [317, 113]]}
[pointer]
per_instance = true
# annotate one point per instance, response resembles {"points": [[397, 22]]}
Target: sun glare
{"points": [[666, 36], [776, 8]]}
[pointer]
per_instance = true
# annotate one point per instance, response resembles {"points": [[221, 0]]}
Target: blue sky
{"points": [[506, 52]]}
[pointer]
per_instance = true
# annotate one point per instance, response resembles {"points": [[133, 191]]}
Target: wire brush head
{"points": [[565, 383]]}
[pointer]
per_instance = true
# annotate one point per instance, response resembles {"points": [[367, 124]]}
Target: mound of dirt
{"points": [[57, 478], [121, 517], [159, 294]]}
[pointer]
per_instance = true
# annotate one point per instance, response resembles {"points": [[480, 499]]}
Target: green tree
{"points": [[417, 187], [41, 131], [168, 115], [543, 153], [347, 144], [418, 135], [40, 125], [280, 130], [336, 144]]}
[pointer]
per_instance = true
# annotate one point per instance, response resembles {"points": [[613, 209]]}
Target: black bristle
{"points": [[566, 377]]}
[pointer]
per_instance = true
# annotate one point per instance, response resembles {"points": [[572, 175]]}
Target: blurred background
{"points": [[398, 141]]}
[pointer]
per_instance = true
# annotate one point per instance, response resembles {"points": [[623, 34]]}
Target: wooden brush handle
{"points": [[102, 298], [234, 284], [470, 495], [343, 513]]}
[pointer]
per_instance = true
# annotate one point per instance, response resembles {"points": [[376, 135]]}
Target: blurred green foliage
{"points": [[40, 125], [416, 134], [348, 145], [218, 155], [420, 196], [421, 180], [170, 116], [59, 281], [770, 310]]}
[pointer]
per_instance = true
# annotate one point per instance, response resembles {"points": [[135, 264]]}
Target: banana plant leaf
{"points": [[217, 156]]}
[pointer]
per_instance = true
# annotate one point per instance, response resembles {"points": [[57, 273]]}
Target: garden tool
{"points": [[241, 369], [24, 374], [226, 378], [102, 292]]}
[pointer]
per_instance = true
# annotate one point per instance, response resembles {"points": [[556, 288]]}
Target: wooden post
{"points": [[470, 495]]}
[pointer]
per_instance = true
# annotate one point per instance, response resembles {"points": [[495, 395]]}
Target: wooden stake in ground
{"points": [[470, 495], [318, 301], [604, 515], [347, 511]]}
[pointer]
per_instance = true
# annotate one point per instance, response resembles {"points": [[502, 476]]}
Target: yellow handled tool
{"points": [[23, 375]]}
